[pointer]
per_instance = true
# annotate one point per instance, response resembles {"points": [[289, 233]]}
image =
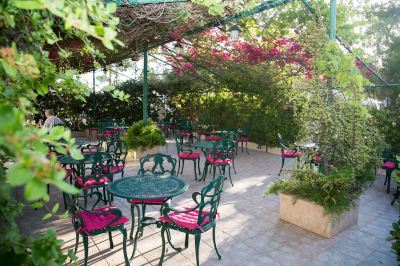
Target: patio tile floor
{"points": [[249, 231]]}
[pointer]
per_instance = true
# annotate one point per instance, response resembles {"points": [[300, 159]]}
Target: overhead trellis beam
{"points": [[264, 6], [141, 2]]}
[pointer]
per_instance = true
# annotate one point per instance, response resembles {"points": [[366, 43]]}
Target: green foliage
{"points": [[395, 237], [336, 192], [141, 136], [388, 121]]}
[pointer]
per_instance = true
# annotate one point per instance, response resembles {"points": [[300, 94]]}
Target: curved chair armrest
{"points": [[96, 193], [89, 147]]}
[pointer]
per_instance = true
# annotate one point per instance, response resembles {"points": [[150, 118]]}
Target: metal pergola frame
{"points": [[269, 4]]}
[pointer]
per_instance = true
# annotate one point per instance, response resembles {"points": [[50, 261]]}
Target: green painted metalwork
{"points": [[148, 187], [180, 149], [76, 210], [221, 156], [206, 208], [88, 158], [145, 87], [157, 164], [141, 2], [332, 20], [118, 150], [94, 96]]}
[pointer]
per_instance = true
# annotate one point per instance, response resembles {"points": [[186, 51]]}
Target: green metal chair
{"points": [[97, 221], [93, 148], [221, 156], [187, 155], [156, 164], [193, 220], [118, 149], [244, 137], [287, 152], [90, 175]]}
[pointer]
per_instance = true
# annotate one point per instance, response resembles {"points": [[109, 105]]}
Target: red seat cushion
{"points": [[150, 202], [90, 182], [214, 138], [185, 133], [291, 154], [219, 161], [188, 155], [186, 220], [389, 165], [114, 169], [92, 222], [242, 139]]}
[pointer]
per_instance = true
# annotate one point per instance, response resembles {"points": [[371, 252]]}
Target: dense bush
{"points": [[388, 122], [141, 136]]}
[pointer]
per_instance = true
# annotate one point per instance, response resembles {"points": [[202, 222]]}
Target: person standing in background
{"points": [[51, 120]]}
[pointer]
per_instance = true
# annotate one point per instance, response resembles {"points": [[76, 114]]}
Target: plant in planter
{"points": [[143, 137]]}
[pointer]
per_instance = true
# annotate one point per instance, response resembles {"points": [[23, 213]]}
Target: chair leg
{"points": [[163, 246], [214, 170], [183, 165], [123, 231], [170, 242], [76, 242], [105, 196], [283, 163], [198, 166], [247, 149], [195, 170], [197, 246], [215, 243], [242, 145], [187, 240], [110, 239], [233, 165], [86, 247], [230, 176], [205, 171], [179, 166], [133, 206], [85, 198]]}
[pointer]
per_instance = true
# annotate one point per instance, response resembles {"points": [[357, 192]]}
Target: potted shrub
{"points": [[325, 204], [144, 139]]}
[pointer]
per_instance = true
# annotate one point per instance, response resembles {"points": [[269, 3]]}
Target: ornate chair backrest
{"points": [[208, 200], [93, 167], [157, 164], [179, 146], [118, 149], [280, 140], [224, 149]]}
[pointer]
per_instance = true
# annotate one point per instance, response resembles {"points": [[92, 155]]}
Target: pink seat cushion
{"points": [[185, 133], [188, 155], [291, 154], [213, 138], [150, 202], [186, 220], [219, 161], [389, 165], [90, 182], [242, 138], [114, 169], [94, 222]]}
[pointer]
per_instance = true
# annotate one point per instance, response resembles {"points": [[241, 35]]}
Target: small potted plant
{"points": [[144, 139]]}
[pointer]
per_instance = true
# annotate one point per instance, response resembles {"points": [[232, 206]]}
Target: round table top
{"points": [[147, 187], [88, 158], [203, 144]]}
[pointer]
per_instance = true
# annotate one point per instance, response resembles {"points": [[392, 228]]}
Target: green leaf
{"points": [[19, 175], [11, 71], [66, 187], [57, 132], [46, 198], [47, 216], [29, 4], [37, 205], [55, 208], [35, 189], [75, 153]]}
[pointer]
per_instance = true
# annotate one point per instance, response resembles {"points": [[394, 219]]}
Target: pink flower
{"points": [[369, 74], [179, 72], [188, 66]]}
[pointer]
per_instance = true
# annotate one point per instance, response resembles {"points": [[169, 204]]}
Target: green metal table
{"points": [[146, 187], [88, 158], [205, 146]]}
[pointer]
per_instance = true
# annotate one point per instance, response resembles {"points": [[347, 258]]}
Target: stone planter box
{"points": [[136, 155], [312, 217]]}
